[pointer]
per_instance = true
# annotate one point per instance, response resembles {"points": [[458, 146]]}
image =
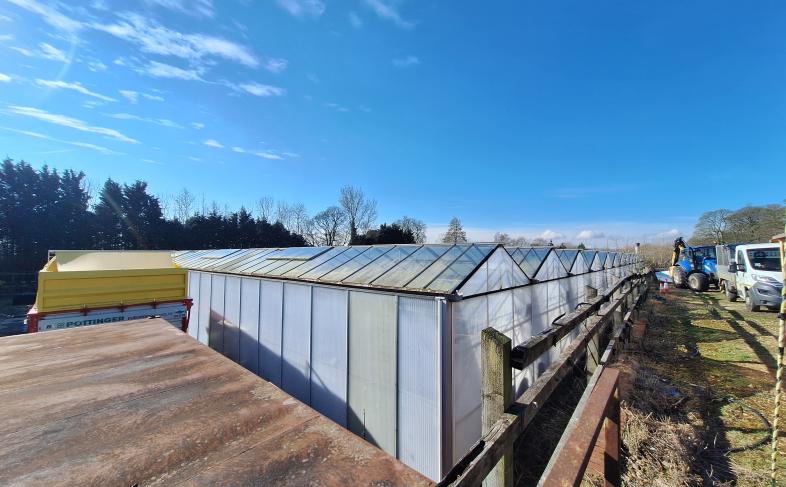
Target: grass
{"points": [[720, 359]]}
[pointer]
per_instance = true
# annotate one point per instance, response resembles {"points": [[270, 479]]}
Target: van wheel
{"points": [[698, 282], [730, 295], [749, 303], [679, 277]]}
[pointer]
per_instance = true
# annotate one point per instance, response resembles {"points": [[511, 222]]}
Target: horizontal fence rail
{"points": [[506, 419]]}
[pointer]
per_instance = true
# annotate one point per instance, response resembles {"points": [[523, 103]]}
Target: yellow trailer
{"points": [[105, 286]]}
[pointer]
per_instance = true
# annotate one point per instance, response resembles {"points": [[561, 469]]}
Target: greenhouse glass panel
{"points": [[270, 322], [315, 262], [354, 265], [458, 270], [428, 275], [532, 262], [372, 368], [300, 253], [253, 261], [419, 379], [382, 264], [589, 257], [518, 255], [567, 257], [330, 265], [288, 266], [266, 266], [329, 353], [602, 259], [409, 268], [249, 324], [193, 292], [233, 260], [522, 330], [204, 308], [230, 294], [216, 323], [296, 342]]}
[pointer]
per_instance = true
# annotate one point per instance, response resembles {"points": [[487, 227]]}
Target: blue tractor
{"points": [[694, 267]]}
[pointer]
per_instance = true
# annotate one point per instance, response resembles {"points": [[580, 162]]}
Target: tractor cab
{"points": [[694, 267]]}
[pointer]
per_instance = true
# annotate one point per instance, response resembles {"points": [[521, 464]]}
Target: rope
{"points": [[779, 374]]}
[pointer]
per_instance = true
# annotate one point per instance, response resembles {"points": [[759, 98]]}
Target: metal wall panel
{"points": [[270, 322], [193, 293], [419, 411], [469, 319], [204, 308], [232, 318], [296, 342], [372, 368], [216, 323], [522, 330], [419, 384], [249, 324], [329, 353]]}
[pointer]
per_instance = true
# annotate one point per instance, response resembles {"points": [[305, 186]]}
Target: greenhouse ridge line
{"points": [[426, 269]]}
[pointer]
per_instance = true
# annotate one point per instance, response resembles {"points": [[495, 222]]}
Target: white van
{"points": [[759, 276]]}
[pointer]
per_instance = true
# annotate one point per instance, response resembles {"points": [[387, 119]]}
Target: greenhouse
{"points": [[385, 339]]}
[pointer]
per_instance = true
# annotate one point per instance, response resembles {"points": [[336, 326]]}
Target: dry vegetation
{"points": [[697, 394]]}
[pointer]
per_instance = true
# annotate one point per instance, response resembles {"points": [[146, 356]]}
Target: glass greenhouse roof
{"points": [[430, 268], [434, 268]]}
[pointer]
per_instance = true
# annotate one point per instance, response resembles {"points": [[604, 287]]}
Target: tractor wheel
{"points": [[749, 303], [730, 295], [679, 277], [698, 282]]}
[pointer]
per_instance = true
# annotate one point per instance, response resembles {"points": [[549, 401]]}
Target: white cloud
{"points": [[355, 20], [133, 96], [588, 234], [157, 121], [161, 70], [62, 85], [96, 66], [551, 235], [37, 135], [673, 233], [406, 62], [70, 122], [270, 155], [49, 51], [130, 95], [50, 15], [197, 159], [258, 89], [151, 161], [197, 8], [303, 8], [154, 38], [337, 107], [198, 125], [6, 37], [5, 18], [389, 11], [23, 51], [213, 143], [276, 65], [4, 78]]}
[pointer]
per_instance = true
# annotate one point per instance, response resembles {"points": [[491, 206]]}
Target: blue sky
{"points": [[580, 120]]}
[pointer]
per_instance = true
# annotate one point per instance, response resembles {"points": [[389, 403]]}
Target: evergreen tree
{"points": [[455, 233]]}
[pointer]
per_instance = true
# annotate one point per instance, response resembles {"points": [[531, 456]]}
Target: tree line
{"points": [[44, 209], [750, 224]]}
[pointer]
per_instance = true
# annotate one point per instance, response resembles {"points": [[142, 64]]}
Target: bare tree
{"points": [[184, 205], [265, 208], [360, 211], [712, 226], [328, 226], [165, 203], [414, 226], [298, 218], [284, 214]]}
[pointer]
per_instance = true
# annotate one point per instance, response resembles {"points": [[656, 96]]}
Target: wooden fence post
{"points": [[611, 427], [497, 395], [593, 345]]}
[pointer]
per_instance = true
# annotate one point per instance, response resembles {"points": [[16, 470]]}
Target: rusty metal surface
{"points": [[142, 403]]}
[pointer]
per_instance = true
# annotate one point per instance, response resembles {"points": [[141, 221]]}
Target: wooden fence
{"points": [[604, 318]]}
